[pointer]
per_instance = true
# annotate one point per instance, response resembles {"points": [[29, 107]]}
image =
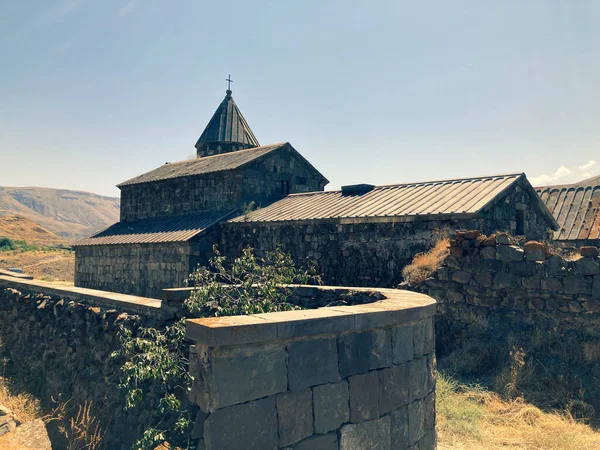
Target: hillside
{"points": [[21, 228], [70, 215]]}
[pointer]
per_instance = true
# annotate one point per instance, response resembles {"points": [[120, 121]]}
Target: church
{"points": [[237, 193]]}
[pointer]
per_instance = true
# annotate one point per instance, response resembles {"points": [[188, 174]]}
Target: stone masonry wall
{"points": [[61, 349], [491, 283], [501, 215], [260, 182], [338, 378], [347, 253], [136, 269]]}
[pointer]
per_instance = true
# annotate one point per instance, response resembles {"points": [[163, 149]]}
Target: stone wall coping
{"points": [[356, 220], [398, 307], [298, 290], [92, 297]]}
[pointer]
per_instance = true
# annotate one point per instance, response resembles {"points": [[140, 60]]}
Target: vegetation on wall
{"points": [[156, 360]]}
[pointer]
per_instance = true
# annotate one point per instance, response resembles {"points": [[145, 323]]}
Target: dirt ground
{"points": [[55, 265]]}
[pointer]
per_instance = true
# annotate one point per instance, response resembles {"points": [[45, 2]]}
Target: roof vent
{"points": [[357, 189]]}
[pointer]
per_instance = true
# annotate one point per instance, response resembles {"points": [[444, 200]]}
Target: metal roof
{"points": [[469, 195], [206, 164], [228, 125], [576, 208], [158, 229]]}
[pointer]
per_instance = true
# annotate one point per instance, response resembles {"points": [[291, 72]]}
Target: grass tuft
{"points": [[425, 264]]}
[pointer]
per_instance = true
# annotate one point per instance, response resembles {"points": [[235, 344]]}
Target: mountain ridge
{"points": [[70, 214]]}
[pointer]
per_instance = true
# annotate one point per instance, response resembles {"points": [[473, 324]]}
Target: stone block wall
{"points": [[136, 269], [521, 199], [61, 348], [337, 378], [495, 283], [358, 252], [260, 182]]}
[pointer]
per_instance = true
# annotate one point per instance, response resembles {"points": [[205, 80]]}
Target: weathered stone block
{"points": [[535, 251], [531, 283], [250, 425], [574, 284], [492, 265], [488, 252], [423, 337], [364, 351], [395, 387], [505, 280], [239, 374], [418, 379], [596, 287], [330, 406], [295, 414], [416, 421], [556, 266], [589, 252], [323, 442], [552, 284], [586, 266], [429, 441], [402, 344], [399, 429], [503, 239], [312, 362], [429, 411], [483, 278], [461, 276], [374, 434], [508, 253], [364, 390]]}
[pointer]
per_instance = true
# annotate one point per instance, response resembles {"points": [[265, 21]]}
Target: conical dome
{"points": [[227, 131]]}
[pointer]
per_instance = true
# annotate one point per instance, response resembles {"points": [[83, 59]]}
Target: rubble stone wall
{"points": [[347, 253], [337, 378], [62, 349], [495, 284]]}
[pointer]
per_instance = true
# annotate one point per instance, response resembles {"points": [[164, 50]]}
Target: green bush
{"points": [[157, 360]]}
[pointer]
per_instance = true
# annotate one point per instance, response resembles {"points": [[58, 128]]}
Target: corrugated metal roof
{"points": [[158, 229], [228, 125], [576, 208], [469, 195], [207, 164]]}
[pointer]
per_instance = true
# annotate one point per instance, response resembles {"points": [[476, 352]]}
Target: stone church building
{"points": [[361, 235]]}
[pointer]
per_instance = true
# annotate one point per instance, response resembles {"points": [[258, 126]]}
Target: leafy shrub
{"points": [[251, 285], [157, 360]]}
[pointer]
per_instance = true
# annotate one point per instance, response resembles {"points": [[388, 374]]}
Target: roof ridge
{"points": [[419, 182]]}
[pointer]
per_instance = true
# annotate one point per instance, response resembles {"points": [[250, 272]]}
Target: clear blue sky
{"points": [[95, 92]]}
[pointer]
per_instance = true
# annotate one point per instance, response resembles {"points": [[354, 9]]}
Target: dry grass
{"points": [[25, 406], [56, 265], [425, 264], [470, 417], [80, 430]]}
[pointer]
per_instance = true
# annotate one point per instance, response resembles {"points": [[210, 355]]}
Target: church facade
{"points": [[361, 235]]}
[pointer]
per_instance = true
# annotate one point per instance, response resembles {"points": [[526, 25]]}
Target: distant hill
{"points": [[71, 215], [22, 229]]}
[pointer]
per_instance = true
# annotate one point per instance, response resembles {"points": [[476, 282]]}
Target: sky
{"points": [[93, 93]]}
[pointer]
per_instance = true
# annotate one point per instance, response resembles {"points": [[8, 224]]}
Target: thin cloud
{"points": [[587, 166], [545, 179], [126, 9]]}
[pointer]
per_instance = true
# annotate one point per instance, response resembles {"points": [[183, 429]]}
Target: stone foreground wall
{"points": [[338, 378], [136, 269], [61, 350], [347, 253], [490, 283]]}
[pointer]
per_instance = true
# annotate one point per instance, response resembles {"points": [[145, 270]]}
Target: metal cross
{"points": [[229, 81]]}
